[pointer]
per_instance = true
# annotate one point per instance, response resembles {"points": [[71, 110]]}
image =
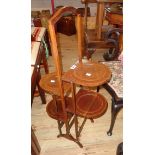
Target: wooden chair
{"points": [[96, 38], [119, 150], [114, 16], [115, 88], [39, 34], [116, 34], [37, 56]]}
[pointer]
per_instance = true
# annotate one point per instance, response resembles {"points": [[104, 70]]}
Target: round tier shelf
{"points": [[88, 74], [89, 104], [49, 83], [55, 111]]}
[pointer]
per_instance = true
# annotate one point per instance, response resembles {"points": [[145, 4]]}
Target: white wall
{"points": [[46, 4]]}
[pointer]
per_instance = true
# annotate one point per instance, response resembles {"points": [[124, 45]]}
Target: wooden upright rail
{"points": [[54, 48]]}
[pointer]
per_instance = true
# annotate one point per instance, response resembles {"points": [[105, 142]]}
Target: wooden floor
{"points": [[93, 137]]}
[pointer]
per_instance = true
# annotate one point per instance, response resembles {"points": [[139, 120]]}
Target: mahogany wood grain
{"points": [[100, 19], [88, 74], [57, 60], [49, 83], [80, 38]]}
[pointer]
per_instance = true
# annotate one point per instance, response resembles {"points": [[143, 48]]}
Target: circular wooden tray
{"points": [[91, 74], [55, 111], [49, 83], [90, 104]]}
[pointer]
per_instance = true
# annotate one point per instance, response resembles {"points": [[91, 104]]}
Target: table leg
{"points": [[114, 111], [45, 61], [35, 147]]}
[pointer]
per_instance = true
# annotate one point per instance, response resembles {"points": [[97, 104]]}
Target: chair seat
{"points": [[34, 51], [116, 82], [38, 33]]}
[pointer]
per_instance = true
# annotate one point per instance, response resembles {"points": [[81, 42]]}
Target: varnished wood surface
{"points": [[94, 42], [49, 83], [46, 129], [95, 39], [88, 74]]}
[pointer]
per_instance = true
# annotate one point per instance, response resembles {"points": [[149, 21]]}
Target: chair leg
{"points": [[114, 111], [41, 92], [119, 150], [45, 61]]}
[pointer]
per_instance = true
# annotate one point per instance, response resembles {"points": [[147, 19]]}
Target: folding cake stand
{"points": [[85, 103]]}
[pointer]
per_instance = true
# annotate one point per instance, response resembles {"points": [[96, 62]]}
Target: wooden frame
{"points": [[95, 38]]}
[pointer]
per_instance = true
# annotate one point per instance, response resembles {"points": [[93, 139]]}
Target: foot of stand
{"points": [[58, 135], [70, 137], [109, 133], [91, 120]]}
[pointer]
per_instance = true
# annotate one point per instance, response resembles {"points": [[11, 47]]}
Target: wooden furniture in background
{"points": [[35, 147], [96, 38], [81, 11], [66, 25], [40, 34], [37, 55], [35, 77], [114, 15], [119, 150]]}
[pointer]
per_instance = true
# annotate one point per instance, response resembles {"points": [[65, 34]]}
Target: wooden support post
{"points": [[99, 18]]}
